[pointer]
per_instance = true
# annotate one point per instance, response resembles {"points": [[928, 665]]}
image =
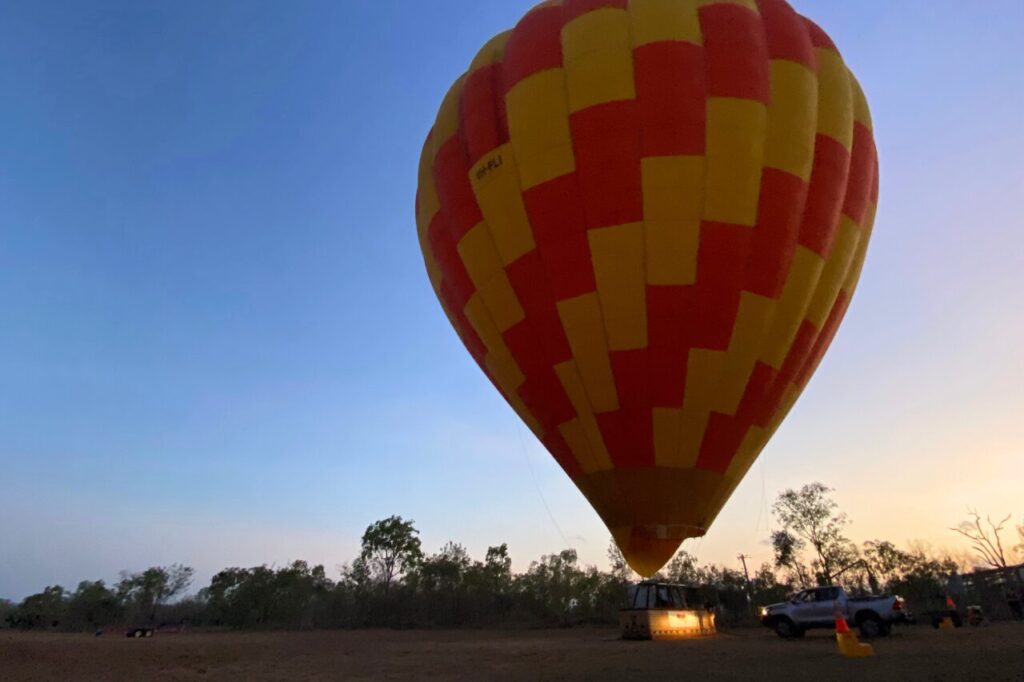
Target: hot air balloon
{"points": [[645, 220]]}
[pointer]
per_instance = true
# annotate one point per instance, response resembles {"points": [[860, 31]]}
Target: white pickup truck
{"points": [[817, 608]]}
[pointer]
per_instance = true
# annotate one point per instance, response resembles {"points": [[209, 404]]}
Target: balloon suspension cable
{"points": [[536, 483]]}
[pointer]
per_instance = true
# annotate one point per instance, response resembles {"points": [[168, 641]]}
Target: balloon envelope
{"points": [[645, 219]]}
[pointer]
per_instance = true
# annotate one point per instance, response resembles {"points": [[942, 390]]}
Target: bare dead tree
{"points": [[986, 542], [1020, 547]]}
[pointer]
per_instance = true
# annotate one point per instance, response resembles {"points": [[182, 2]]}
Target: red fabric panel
{"points": [[458, 203], [862, 168], [630, 368], [818, 37], [606, 144], [786, 33], [721, 441], [482, 125], [721, 260], [825, 196], [737, 52], [535, 45], [667, 376], [559, 228], [779, 216], [671, 91], [544, 396], [559, 449], [629, 437]]}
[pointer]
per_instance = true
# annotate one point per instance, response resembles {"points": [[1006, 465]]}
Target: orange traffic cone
{"points": [[849, 645]]}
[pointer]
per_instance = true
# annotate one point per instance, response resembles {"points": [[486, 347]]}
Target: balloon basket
{"points": [[659, 624]]}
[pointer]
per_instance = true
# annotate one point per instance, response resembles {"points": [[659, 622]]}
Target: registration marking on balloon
{"points": [[645, 220]]}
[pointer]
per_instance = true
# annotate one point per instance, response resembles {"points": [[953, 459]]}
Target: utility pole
{"points": [[746, 575], [743, 558]]}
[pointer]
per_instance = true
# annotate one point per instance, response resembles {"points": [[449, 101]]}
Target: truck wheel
{"points": [[871, 626], [787, 629]]}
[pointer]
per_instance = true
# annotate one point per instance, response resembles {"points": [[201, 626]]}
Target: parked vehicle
{"points": [[817, 608]]}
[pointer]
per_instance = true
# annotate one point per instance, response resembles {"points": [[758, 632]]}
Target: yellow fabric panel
{"points": [[569, 376], [447, 123], [476, 249], [792, 119], [752, 322], [656, 20], [584, 327], [672, 251], [598, 56], [835, 98], [834, 274], [749, 4], [572, 432], [505, 370], [695, 423], [502, 302], [538, 121], [618, 257], [796, 296], [704, 369], [495, 180], [750, 447], [524, 413], [673, 187], [861, 111], [426, 193], [598, 30], [492, 52], [735, 156], [668, 430]]}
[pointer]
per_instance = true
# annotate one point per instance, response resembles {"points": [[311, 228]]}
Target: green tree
{"points": [[766, 586], [809, 517], [7, 609], [682, 569], [41, 610], [389, 549], [552, 587], [93, 604], [498, 566], [787, 548], [620, 569], [154, 587]]}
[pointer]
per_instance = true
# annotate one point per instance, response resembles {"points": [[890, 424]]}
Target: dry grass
{"points": [[919, 653]]}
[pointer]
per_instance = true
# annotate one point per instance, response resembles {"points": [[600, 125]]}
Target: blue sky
{"points": [[219, 346]]}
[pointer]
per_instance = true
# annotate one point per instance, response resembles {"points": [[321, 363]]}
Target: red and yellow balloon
{"points": [[645, 219]]}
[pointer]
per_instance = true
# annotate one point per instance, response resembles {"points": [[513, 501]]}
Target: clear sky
{"points": [[218, 345]]}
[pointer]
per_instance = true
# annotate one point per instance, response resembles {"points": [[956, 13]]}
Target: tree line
{"points": [[394, 583]]}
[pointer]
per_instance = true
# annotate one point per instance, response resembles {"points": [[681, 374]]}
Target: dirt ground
{"points": [[995, 652]]}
